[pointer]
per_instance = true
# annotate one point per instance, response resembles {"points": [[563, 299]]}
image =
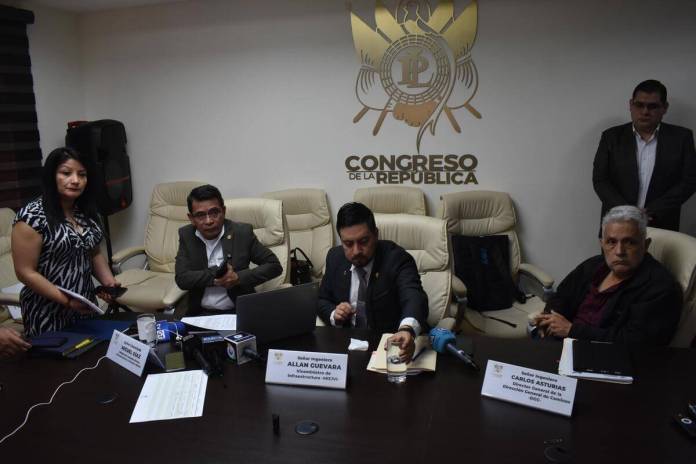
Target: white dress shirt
{"points": [[353, 298], [646, 151], [215, 297]]}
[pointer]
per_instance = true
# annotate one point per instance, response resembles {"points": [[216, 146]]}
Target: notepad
{"points": [[426, 361], [84, 300]]}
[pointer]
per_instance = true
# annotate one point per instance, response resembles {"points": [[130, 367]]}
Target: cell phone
{"points": [[687, 424], [222, 270], [113, 292], [174, 361]]}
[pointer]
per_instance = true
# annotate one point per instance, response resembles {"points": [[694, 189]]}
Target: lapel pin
{"points": [[229, 237]]}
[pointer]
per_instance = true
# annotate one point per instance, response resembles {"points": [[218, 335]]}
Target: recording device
{"points": [[222, 270], [687, 424], [443, 340], [242, 347], [208, 349]]}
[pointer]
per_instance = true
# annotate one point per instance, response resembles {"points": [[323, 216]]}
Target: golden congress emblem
{"points": [[416, 63]]}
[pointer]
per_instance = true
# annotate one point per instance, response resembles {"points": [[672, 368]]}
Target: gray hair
{"points": [[626, 213]]}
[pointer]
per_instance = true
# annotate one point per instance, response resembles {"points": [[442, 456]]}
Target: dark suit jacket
{"points": [[193, 274], [645, 309], [615, 173], [393, 292]]}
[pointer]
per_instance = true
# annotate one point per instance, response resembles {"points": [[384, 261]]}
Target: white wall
{"points": [[259, 96]]}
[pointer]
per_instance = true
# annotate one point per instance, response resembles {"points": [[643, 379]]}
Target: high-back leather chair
{"points": [[426, 239], [477, 213], [677, 252], [153, 288], [392, 199], [266, 218], [8, 278], [309, 223]]}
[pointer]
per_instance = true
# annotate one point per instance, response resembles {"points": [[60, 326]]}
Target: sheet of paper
{"points": [[175, 395], [15, 311], [217, 322], [77, 296]]}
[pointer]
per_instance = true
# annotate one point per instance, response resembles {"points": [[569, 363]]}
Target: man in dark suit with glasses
{"points": [[646, 163]]}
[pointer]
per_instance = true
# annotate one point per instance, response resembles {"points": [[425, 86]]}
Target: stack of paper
{"points": [[424, 362], [216, 322], [84, 300], [175, 395], [565, 367]]}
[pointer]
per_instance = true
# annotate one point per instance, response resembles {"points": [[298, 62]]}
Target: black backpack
{"points": [[483, 264]]}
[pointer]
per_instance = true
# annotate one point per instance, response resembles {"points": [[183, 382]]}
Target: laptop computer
{"points": [[278, 313]]}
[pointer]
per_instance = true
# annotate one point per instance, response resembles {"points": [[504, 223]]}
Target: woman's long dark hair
{"points": [[51, 200]]}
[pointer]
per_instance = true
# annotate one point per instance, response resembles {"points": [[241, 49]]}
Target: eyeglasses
{"points": [[212, 213], [639, 105]]}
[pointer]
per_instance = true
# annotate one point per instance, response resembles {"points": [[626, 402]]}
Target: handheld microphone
{"points": [[443, 340], [242, 347]]}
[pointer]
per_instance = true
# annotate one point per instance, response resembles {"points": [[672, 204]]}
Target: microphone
{"points": [[241, 346], [443, 340]]}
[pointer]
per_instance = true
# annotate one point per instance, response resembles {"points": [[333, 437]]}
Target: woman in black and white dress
{"points": [[55, 242]]}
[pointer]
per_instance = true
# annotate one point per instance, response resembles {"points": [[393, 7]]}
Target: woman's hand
{"points": [[106, 296], [78, 306]]}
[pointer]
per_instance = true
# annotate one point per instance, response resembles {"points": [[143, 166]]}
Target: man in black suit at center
{"points": [[372, 283], [646, 163]]}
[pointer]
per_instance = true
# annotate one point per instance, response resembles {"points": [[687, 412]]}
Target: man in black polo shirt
{"points": [[622, 296]]}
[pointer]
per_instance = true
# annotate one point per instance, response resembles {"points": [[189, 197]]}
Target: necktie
{"points": [[361, 314]]}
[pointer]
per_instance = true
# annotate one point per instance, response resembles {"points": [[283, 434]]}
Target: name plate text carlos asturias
{"points": [[529, 387], [307, 368]]}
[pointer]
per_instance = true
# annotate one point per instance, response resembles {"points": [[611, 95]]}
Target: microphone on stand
{"points": [[443, 340]]}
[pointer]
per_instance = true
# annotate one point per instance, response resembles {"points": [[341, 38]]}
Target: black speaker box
{"points": [[104, 142]]}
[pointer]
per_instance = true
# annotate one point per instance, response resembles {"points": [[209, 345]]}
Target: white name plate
{"points": [[307, 368], [128, 352], [529, 387]]}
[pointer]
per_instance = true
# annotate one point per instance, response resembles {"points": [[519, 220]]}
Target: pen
{"points": [[418, 354], [82, 344]]}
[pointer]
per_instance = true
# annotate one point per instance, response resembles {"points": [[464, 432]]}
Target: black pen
{"points": [[418, 354]]}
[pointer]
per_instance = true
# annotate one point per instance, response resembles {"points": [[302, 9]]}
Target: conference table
{"points": [[436, 417]]}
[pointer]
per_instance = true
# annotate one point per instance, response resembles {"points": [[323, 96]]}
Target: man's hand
{"points": [[343, 312], [11, 343], [553, 324], [229, 280], [406, 343]]}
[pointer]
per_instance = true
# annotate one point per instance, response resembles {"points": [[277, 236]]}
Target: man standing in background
{"points": [[646, 163]]}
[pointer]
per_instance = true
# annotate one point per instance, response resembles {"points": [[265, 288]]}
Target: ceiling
{"points": [[96, 5]]}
